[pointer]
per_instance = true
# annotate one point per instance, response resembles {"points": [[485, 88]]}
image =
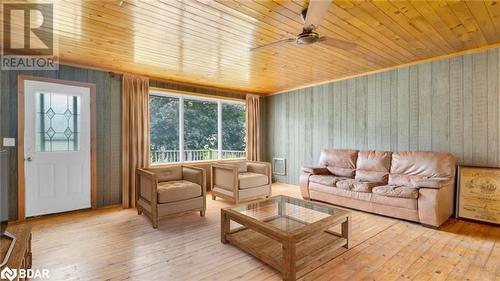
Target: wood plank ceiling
{"points": [[208, 42]]}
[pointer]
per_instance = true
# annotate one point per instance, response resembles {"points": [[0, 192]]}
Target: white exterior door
{"points": [[56, 148]]}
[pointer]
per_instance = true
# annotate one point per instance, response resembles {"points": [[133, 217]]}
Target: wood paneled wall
{"points": [[108, 124], [446, 105], [108, 90]]}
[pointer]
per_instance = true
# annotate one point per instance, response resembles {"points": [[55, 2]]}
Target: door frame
{"points": [[21, 185]]}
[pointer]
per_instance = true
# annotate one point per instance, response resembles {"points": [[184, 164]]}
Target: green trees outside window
{"points": [[200, 130], [187, 129], [233, 130], [164, 129]]}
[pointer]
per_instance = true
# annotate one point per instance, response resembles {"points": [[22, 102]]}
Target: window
{"points": [[189, 128], [200, 130], [164, 115], [233, 134]]}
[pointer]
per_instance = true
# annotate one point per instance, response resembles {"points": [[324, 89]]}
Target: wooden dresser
{"points": [[21, 255]]}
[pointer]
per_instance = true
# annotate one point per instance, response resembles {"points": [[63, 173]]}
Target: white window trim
{"points": [[219, 130], [181, 98], [181, 129]]}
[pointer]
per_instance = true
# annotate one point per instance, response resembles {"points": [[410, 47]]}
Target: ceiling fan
{"points": [[312, 16]]}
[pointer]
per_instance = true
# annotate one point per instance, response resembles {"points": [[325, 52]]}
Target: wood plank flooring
{"points": [[118, 244]]}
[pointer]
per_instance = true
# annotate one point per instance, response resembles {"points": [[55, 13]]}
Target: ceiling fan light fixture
{"points": [[312, 16], [307, 37]]}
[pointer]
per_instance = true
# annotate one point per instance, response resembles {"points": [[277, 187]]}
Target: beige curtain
{"points": [[253, 134], [135, 133]]}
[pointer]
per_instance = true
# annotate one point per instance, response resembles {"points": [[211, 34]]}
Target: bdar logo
{"points": [[8, 273], [24, 274]]}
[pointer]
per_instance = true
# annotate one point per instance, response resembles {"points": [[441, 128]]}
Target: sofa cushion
{"points": [[410, 166], [249, 180], [327, 180], [172, 173], [263, 190], [373, 166], [365, 196], [406, 203], [372, 176], [363, 186], [398, 179], [396, 191], [319, 170], [242, 167], [340, 162], [171, 191], [371, 160], [436, 183], [346, 184], [259, 168], [356, 185]]}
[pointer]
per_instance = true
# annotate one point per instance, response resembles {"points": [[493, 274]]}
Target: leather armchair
{"points": [[241, 181], [164, 191]]}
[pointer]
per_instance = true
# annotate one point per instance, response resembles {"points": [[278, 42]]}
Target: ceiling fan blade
{"points": [[316, 11], [337, 43], [274, 44]]}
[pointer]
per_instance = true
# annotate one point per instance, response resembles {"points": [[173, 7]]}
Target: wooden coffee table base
{"points": [[291, 255]]}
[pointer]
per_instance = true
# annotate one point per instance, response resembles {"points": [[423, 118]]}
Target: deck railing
{"points": [[166, 156]]}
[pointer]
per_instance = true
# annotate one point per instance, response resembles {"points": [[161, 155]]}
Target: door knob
{"points": [[29, 159]]}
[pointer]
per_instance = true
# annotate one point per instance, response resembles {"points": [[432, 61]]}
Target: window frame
{"points": [[192, 96]]}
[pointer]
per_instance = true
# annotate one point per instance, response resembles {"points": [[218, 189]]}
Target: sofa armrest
{"points": [[195, 175], [304, 185], [316, 170], [225, 175], [436, 183], [435, 205], [259, 168], [146, 185]]}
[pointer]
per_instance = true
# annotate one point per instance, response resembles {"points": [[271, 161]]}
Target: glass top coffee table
{"points": [[292, 235]]}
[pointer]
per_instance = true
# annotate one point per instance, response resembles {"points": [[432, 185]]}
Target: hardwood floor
{"points": [[118, 244]]}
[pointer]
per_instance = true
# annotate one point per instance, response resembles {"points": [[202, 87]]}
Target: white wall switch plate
{"points": [[9, 142]]}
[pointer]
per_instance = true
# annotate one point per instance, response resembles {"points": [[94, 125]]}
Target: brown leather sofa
{"points": [[411, 185]]}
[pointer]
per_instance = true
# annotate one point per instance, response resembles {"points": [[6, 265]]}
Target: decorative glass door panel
{"points": [[58, 122]]}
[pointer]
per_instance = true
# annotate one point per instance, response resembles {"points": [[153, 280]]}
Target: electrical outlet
{"points": [[9, 142]]}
